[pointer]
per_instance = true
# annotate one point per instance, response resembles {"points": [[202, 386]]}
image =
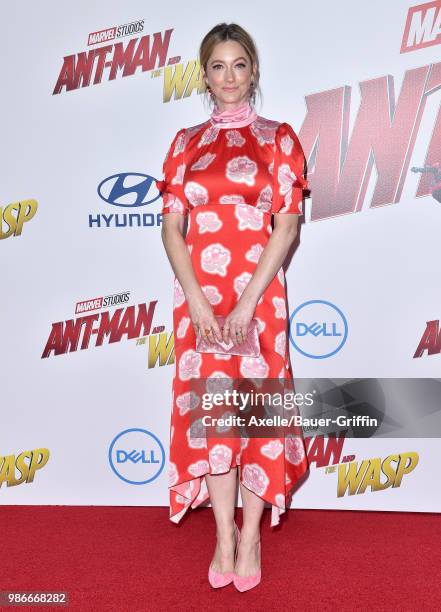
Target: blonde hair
{"points": [[230, 31]]}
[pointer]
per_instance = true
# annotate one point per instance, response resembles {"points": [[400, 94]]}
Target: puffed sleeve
{"points": [[289, 172], [172, 186]]}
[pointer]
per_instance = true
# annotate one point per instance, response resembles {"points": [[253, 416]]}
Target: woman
{"points": [[228, 175]]}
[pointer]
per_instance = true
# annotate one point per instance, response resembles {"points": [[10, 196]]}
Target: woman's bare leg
{"points": [[248, 561], [222, 491]]}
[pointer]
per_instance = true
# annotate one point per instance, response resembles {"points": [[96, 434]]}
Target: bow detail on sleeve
{"points": [[301, 182], [161, 185]]}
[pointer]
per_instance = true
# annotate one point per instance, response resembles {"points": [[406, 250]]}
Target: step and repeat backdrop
{"points": [[92, 96]]}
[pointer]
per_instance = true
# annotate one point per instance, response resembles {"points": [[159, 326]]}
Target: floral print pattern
{"points": [[228, 182]]}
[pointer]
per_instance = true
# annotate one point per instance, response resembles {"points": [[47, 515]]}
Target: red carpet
{"points": [[134, 559]]}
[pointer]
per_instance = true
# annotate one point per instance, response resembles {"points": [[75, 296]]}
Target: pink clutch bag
{"points": [[250, 347]]}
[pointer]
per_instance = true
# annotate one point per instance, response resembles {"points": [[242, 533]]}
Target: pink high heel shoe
{"points": [[245, 583], [217, 579]]}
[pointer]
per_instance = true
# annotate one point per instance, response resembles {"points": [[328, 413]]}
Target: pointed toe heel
{"points": [[245, 583], [218, 579]]}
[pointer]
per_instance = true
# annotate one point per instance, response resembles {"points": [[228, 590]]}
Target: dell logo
{"points": [[136, 456], [318, 329]]}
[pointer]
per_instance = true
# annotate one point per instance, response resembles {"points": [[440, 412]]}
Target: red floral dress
{"points": [[229, 182]]}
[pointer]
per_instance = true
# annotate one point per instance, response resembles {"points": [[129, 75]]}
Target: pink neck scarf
{"points": [[238, 117]]}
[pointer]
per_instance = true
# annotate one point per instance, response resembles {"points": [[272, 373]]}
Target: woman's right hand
{"points": [[203, 319]]}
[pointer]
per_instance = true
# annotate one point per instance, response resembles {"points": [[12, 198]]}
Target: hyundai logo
{"points": [[128, 189]]}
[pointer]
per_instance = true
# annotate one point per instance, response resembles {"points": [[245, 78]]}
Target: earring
{"points": [[209, 91]]}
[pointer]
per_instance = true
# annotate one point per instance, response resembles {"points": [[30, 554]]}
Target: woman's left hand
{"points": [[237, 322]]}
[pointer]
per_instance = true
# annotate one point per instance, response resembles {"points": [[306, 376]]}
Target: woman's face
{"points": [[229, 74]]}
